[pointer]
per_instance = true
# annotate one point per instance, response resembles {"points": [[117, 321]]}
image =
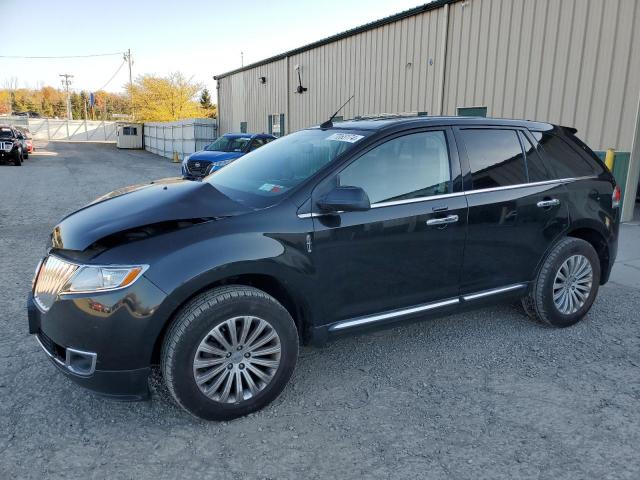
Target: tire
{"points": [[25, 155], [17, 159], [199, 325], [562, 303]]}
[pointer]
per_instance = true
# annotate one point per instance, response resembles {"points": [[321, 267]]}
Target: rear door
{"points": [[515, 211], [407, 249]]}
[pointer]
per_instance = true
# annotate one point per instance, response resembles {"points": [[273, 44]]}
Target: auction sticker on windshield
{"points": [[345, 137]]}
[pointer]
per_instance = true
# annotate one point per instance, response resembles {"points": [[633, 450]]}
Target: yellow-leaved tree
{"points": [[162, 99]]}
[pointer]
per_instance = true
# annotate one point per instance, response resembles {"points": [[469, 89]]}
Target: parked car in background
{"points": [[28, 138], [23, 143], [330, 230], [223, 151], [11, 145]]}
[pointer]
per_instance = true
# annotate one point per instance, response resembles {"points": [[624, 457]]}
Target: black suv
{"points": [[323, 232], [11, 142]]}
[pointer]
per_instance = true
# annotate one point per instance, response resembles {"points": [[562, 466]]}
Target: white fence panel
{"points": [[184, 137], [62, 129]]}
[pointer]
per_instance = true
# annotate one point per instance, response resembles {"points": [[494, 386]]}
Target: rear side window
{"points": [[411, 166], [537, 170], [495, 157], [563, 160]]}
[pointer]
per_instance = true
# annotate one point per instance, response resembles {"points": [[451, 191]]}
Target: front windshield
{"points": [[5, 133], [262, 176], [228, 144]]}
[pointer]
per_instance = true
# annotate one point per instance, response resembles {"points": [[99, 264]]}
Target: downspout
{"points": [[443, 58], [219, 112], [288, 110], [631, 186]]}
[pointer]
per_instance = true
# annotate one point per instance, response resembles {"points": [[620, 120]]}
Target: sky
{"points": [[196, 37]]}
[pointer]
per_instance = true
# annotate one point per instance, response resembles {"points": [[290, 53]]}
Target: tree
{"points": [[165, 98], [210, 109], [205, 99]]}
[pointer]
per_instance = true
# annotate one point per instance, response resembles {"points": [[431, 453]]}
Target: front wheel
{"points": [[17, 158], [229, 352], [566, 285]]}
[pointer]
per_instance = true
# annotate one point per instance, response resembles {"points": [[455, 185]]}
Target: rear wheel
{"points": [[567, 284], [229, 352]]}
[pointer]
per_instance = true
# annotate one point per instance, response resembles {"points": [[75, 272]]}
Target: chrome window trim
{"points": [[531, 184], [458, 194], [416, 200]]}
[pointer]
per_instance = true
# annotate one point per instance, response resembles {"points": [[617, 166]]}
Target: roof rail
{"points": [[384, 116]]}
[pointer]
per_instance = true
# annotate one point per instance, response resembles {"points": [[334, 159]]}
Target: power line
{"points": [[63, 56], [113, 76]]}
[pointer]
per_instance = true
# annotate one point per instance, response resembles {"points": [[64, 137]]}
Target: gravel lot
{"points": [[487, 394]]}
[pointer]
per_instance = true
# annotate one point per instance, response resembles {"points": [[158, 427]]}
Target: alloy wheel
{"points": [[237, 359], [572, 284]]}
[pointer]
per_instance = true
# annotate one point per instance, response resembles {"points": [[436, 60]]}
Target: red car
{"points": [[27, 138]]}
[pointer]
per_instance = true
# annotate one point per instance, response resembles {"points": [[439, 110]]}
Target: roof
{"points": [[348, 33], [381, 123]]}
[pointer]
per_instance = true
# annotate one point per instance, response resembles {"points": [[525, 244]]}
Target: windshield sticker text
{"points": [[345, 137]]}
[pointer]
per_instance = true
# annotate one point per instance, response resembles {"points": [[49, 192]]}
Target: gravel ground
{"points": [[487, 394]]}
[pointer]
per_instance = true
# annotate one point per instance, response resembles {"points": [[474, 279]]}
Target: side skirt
{"points": [[439, 307]]}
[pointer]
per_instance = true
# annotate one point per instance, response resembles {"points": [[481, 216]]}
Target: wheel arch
{"points": [[599, 243], [292, 300]]}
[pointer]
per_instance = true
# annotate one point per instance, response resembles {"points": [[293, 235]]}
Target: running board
{"points": [[368, 319]]}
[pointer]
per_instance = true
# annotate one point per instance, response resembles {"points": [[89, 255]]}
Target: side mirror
{"points": [[345, 199]]}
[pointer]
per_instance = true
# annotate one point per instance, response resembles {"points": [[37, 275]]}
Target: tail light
{"points": [[616, 196]]}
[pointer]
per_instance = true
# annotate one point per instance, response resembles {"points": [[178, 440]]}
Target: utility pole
{"points": [[127, 57], [66, 82], [241, 59]]}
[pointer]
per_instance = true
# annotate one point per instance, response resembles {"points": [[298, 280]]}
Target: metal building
{"points": [[570, 62]]}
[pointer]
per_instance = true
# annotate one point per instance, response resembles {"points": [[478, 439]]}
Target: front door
{"points": [[407, 249]]}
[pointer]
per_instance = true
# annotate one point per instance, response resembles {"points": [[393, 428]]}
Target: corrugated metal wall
{"points": [[244, 99], [393, 68], [564, 61], [571, 62]]}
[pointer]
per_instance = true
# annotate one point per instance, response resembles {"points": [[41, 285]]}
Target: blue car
{"points": [[222, 152]]}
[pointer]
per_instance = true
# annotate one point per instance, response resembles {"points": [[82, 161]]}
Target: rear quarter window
{"points": [[565, 160]]}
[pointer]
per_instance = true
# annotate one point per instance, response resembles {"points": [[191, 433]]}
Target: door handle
{"points": [[548, 203], [443, 221]]}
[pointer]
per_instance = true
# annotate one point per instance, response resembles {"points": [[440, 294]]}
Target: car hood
{"points": [[209, 156], [168, 200]]}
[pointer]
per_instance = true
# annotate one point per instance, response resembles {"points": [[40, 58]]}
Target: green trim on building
{"points": [[472, 111], [620, 168]]}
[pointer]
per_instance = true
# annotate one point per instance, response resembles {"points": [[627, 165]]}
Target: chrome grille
{"points": [[6, 146], [53, 275], [198, 167]]}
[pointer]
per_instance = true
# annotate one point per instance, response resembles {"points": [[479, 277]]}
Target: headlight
{"points": [[221, 163], [96, 279]]}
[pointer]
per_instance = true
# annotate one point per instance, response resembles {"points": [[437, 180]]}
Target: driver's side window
{"points": [[411, 166]]}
